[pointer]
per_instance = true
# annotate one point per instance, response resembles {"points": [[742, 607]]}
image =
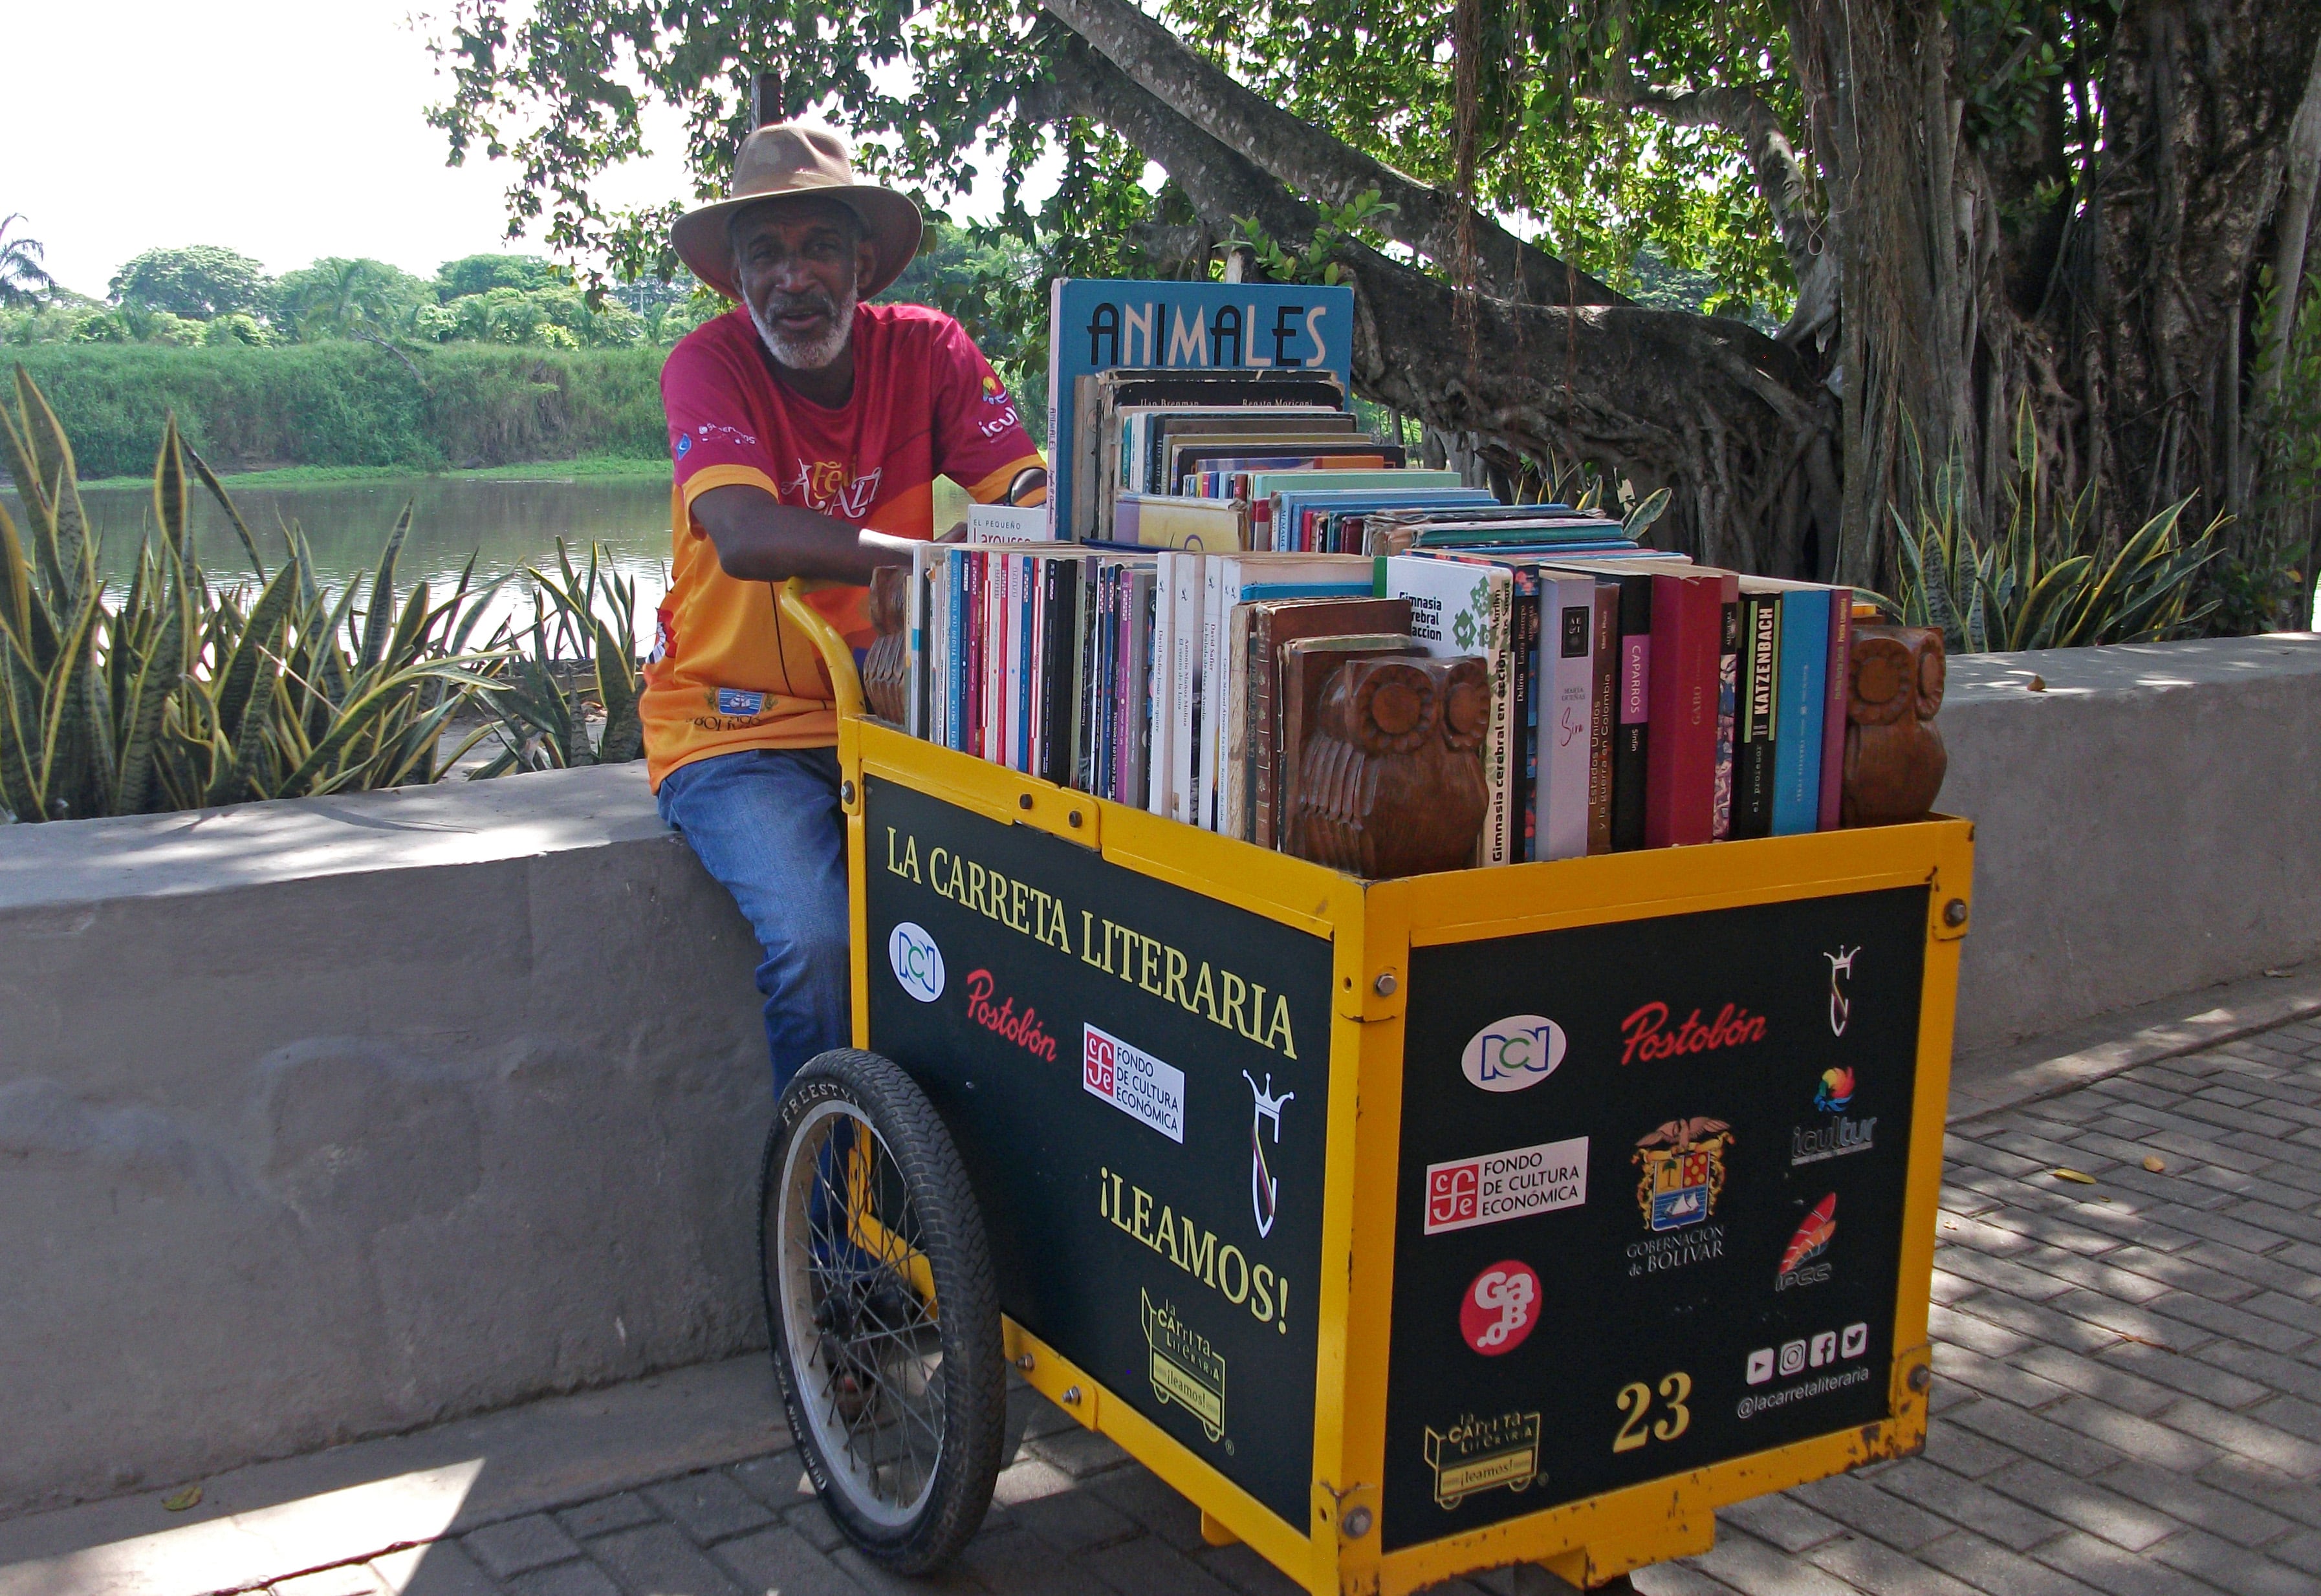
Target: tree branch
{"points": [[1311, 161]]}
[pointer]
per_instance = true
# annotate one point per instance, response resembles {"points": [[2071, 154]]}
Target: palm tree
{"points": [[23, 279]]}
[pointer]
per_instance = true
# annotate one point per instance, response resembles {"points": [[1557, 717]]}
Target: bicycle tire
{"points": [[821, 1284]]}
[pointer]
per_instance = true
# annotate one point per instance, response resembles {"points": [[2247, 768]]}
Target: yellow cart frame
{"points": [[1375, 930]]}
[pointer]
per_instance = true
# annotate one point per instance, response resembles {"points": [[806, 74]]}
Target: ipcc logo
{"points": [[917, 961], [1511, 1054]]}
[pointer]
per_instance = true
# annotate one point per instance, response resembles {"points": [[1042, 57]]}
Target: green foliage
{"points": [[2272, 584], [1357, 221], [179, 694], [198, 281], [336, 298], [480, 273], [2046, 581], [574, 665], [25, 282], [337, 404]]}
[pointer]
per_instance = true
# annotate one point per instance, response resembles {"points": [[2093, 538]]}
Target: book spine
{"points": [[1680, 783], [955, 661], [1797, 751], [1838, 691], [1147, 678], [1604, 703], [1753, 760], [1210, 679], [977, 691], [1728, 693], [1083, 580], [1524, 798], [1631, 750], [1498, 837], [1568, 736], [1264, 669]]}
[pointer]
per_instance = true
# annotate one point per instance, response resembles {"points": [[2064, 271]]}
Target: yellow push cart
{"points": [[1407, 1227]]}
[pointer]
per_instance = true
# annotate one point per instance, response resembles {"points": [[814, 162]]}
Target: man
{"points": [[807, 429]]}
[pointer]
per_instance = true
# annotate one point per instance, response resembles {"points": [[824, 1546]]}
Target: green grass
{"points": [[589, 467]]}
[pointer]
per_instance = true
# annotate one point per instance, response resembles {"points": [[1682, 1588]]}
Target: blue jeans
{"points": [[766, 823]]}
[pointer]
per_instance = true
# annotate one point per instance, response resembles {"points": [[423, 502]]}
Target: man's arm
{"points": [[759, 539]]}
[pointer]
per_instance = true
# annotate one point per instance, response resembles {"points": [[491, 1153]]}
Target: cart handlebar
{"points": [[845, 677]]}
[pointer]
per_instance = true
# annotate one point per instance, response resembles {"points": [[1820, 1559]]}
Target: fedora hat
{"points": [[785, 160]]}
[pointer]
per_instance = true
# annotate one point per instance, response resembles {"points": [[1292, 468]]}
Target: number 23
{"points": [[1635, 1399]]}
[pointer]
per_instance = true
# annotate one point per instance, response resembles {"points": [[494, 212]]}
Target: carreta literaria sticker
{"points": [[1185, 1368], [1482, 1455]]}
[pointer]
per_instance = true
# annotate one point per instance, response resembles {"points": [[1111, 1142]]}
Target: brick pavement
{"points": [[2127, 1400]]}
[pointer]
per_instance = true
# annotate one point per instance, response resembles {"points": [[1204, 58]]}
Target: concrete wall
{"points": [[2149, 824], [331, 1117]]}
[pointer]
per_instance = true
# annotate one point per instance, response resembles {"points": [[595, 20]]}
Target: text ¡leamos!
{"points": [[1212, 991], [1194, 1248]]}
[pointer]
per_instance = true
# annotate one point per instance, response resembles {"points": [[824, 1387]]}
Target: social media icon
{"points": [[1824, 1348], [1760, 1365], [1857, 1340], [1793, 1356]]}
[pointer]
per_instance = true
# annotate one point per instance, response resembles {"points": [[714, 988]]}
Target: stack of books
{"points": [[1223, 535]]}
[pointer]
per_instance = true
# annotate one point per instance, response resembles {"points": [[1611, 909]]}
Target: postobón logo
{"points": [[1511, 1054], [917, 962], [1501, 1306]]}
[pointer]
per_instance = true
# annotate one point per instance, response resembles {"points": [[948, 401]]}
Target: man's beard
{"points": [[807, 354]]}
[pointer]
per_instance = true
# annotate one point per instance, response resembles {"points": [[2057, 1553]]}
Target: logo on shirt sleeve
{"points": [[683, 444]]}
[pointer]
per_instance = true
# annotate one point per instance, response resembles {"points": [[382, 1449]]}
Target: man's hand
{"points": [[759, 539]]}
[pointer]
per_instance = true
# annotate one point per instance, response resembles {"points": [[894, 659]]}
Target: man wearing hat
{"points": [[807, 429]]}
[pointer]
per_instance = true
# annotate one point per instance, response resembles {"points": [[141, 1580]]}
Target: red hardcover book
{"points": [[1841, 693], [1688, 635]]}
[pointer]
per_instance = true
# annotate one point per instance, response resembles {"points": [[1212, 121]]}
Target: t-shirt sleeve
{"points": [[980, 442], [710, 443]]}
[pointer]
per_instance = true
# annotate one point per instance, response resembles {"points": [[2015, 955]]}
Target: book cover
{"points": [[1098, 398], [1680, 780], [1728, 691], [1458, 609], [1633, 735], [1836, 691], [1567, 739], [1804, 674], [1752, 757], [1097, 326], [1606, 707]]}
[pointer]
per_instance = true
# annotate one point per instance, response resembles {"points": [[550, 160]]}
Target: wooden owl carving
{"points": [[1895, 760], [1390, 782], [884, 667]]}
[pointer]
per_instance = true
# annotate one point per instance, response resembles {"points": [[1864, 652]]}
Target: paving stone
{"points": [[1988, 1567], [1146, 1565], [2046, 1228], [2301, 1550], [880, 1582], [657, 1560], [2266, 1216], [2040, 1323], [2080, 1503], [1074, 1520], [607, 1514], [1247, 1573], [1028, 1479], [1955, 1326], [2128, 1434], [2188, 1374], [2282, 1309], [2006, 1381], [1010, 1560], [2229, 1567], [2297, 1500], [1750, 1567], [2270, 1369], [2036, 1438], [1078, 1452], [2245, 1438], [518, 1544], [1964, 1453], [355, 1579], [565, 1579], [2003, 1275], [2092, 1377], [1785, 1520], [2297, 1417], [2205, 1107], [1670, 1579], [1152, 1502], [2182, 1497], [780, 1562], [778, 1480], [438, 1568], [2126, 1318], [2117, 1572], [709, 1507], [1875, 1567], [2259, 1269], [812, 1522], [1977, 1506]]}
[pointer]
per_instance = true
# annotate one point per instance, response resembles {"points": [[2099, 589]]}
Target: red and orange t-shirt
{"points": [[729, 673]]}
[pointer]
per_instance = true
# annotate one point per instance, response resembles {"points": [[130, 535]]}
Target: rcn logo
{"points": [[1511, 1054], [917, 961]]}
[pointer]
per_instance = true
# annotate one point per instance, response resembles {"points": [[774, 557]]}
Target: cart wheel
{"points": [[882, 1310]]}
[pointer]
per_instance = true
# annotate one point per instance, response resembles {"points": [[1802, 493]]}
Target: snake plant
{"points": [[179, 692]]}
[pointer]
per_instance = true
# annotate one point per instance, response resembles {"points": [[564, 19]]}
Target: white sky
{"points": [[283, 129]]}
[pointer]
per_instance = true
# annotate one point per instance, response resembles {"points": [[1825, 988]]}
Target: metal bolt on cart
{"points": [[1407, 1227]]}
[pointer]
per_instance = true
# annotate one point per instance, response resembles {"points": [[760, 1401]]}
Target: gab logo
{"points": [[917, 961], [1500, 1307], [1511, 1054]]}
